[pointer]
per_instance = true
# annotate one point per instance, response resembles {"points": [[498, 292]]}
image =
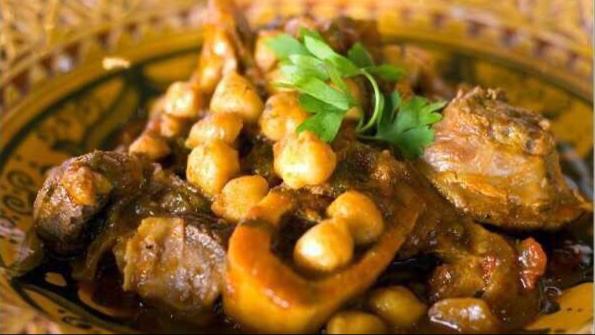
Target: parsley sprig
{"points": [[310, 66]]}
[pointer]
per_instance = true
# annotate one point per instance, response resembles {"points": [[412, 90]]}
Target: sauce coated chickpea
{"points": [[281, 116], [171, 126], [361, 214], [182, 100], [354, 113], [325, 247], [220, 126], [397, 305], [151, 146], [465, 315], [303, 159], [263, 55], [218, 57], [211, 165], [355, 322], [235, 94], [238, 196]]}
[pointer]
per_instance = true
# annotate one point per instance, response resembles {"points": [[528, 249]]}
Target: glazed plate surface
{"points": [[62, 98]]}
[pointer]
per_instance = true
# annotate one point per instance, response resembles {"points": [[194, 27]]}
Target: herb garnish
{"points": [[308, 65]]}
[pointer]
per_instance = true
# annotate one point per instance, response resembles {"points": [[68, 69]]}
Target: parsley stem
{"points": [[377, 102], [369, 137]]}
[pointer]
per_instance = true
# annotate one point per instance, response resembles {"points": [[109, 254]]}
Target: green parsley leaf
{"points": [[324, 52], [284, 45], [311, 64], [313, 105], [336, 78], [386, 72], [413, 141], [408, 129], [325, 125], [323, 91], [312, 33], [344, 66], [360, 56], [326, 120], [308, 65], [318, 47], [293, 75]]}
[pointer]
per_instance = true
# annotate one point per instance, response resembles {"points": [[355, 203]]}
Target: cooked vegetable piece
{"points": [[265, 294], [533, 262]]}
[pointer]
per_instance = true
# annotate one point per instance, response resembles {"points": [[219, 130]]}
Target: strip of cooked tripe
{"points": [[266, 295]]}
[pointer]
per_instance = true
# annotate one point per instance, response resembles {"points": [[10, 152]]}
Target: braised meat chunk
{"points": [[79, 189], [498, 163], [176, 264], [163, 194]]}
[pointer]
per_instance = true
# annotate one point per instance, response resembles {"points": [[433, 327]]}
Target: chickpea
{"points": [[263, 55], [156, 107], [235, 94], [217, 58], [355, 113], [303, 160], [221, 126], [405, 89], [171, 126], [211, 165], [414, 59], [282, 115], [182, 100], [355, 322], [397, 305], [361, 214], [272, 77], [152, 146], [465, 315], [295, 24], [238, 196], [325, 247]]}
